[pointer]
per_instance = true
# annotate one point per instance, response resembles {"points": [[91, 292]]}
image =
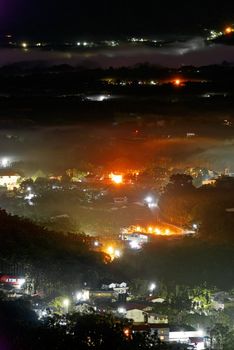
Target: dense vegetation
{"points": [[53, 260]]}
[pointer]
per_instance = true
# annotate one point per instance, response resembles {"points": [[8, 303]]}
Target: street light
{"points": [[66, 303], [152, 287], [122, 310], [149, 199], [5, 162]]}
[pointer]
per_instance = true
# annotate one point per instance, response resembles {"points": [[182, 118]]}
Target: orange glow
{"points": [[116, 178], [228, 30], [177, 82], [157, 231], [113, 251], [127, 332], [160, 230]]}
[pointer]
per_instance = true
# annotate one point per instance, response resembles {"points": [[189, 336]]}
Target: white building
{"points": [[144, 315]]}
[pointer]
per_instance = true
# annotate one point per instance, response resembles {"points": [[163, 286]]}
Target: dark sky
{"points": [[74, 18]]}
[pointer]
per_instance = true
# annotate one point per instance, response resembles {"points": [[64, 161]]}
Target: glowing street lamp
{"points": [[66, 303], [152, 287], [149, 199]]}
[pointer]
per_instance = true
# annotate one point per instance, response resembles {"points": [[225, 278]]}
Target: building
{"points": [[9, 179], [187, 336], [161, 329], [143, 314]]}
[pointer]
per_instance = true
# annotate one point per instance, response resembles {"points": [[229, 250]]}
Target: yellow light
{"points": [[116, 178], [24, 45], [126, 332], [177, 82], [228, 30], [167, 231], [157, 231], [110, 250], [138, 228], [150, 229]]}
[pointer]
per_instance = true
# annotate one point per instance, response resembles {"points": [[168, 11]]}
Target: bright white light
{"points": [[24, 45], [134, 245], [152, 205], [149, 199], [78, 44], [79, 296], [152, 287], [96, 243], [5, 162], [117, 253], [201, 333], [85, 44], [29, 189], [195, 226], [110, 250], [121, 310], [102, 98], [66, 302], [21, 281], [82, 296]]}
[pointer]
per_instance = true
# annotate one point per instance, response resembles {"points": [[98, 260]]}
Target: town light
{"points": [[228, 30], [149, 199], [121, 310], [127, 332], [110, 250], [117, 253], [79, 296], [5, 162], [24, 45], [157, 231], [116, 178], [177, 82], [134, 245], [21, 281], [152, 287], [66, 303]]}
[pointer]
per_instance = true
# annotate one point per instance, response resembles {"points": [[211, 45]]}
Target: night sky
{"points": [[79, 18]]}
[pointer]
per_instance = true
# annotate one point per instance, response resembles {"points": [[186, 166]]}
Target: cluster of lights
{"points": [[214, 35], [152, 230], [82, 296], [113, 252], [29, 196]]}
